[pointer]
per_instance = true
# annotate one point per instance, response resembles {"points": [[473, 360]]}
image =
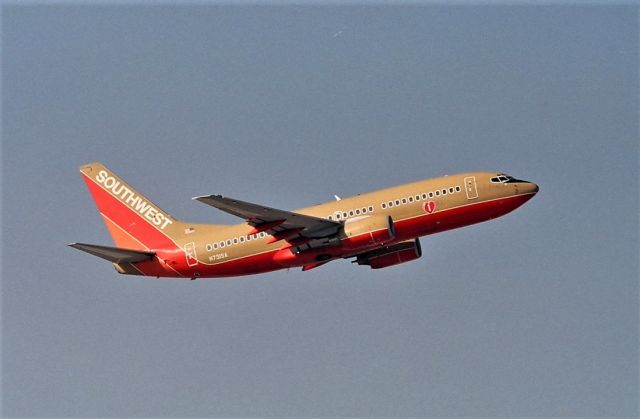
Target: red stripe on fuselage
{"points": [[248, 265]]}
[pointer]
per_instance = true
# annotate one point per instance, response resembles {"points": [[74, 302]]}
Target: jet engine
{"points": [[367, 232], [391, 255]]}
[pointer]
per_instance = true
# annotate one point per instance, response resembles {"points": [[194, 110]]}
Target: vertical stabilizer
{"points": [[133, 221]]}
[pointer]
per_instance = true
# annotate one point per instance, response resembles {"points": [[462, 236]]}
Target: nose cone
{"points": [[529, 188]]}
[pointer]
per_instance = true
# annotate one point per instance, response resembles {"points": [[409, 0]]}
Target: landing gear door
{"points": [[470, 187]]}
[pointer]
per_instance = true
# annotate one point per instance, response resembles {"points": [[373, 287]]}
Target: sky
{"points": [[531, 314]]}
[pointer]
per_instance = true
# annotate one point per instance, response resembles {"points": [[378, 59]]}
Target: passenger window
{"points": [[370, 208], [241, 239], [351, 213], [390, 204], [404, 201], [444, 192], [424, 195], [215, 245], [357, 212], [437, 193], [450, 190], [235, 240], [417, 197], [457, 188], [410, 199], [229, 242], [397, 202], [383, 205], [221, 244]]}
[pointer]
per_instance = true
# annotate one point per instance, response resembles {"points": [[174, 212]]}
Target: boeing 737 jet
{"points": [[378, 229]]}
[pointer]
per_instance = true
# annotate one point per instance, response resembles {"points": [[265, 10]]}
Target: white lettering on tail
{"points": [[130, 198]]}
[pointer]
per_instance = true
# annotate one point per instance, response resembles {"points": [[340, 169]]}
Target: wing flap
{"points": [[114, 254]]}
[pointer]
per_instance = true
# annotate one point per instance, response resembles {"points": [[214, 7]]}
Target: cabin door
{"points": [[470, 187]]}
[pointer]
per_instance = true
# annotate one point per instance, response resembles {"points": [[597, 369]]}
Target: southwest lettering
{"points": [[142, 206], [151, 212], [109, 182], [102, 175], [126, 192], [129, 197], [119, 189], [132, 200]]}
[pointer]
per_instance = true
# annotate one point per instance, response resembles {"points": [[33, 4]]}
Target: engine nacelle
{"points": [[365, 232], [392, 255]]}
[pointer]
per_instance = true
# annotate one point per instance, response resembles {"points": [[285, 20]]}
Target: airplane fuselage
{"points": [[371, 221]]}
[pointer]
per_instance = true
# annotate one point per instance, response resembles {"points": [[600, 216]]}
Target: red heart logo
{"points": [[429, 206]]}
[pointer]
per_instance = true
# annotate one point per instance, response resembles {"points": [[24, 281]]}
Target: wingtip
{"points": [[203, 197]]}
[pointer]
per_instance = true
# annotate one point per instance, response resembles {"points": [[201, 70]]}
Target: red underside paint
{"points": [[440, 221]]}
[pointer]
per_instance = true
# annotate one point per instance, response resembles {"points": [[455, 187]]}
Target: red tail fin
{"points": [[133, 221]]}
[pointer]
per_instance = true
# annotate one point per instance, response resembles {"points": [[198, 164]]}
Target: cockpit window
{"points": [[501, 178], [504, 178]]}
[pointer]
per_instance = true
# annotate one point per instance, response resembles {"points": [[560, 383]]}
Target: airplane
{"points": [[378, 229]]}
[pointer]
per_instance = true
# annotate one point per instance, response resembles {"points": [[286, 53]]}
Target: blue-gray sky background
{"points": [[532, 314]]}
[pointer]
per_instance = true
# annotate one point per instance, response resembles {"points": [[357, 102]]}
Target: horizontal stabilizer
{"points": [[114, 254]]}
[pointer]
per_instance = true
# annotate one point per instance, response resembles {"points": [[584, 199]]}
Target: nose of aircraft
{"points": [[529, 187]]}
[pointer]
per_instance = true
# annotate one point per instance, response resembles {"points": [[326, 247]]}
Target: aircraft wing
{"points": [[279, 223]]}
